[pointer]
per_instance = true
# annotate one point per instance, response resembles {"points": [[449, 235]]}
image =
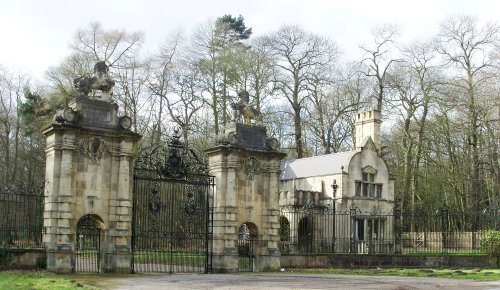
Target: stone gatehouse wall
{"points": [[387, 261]]}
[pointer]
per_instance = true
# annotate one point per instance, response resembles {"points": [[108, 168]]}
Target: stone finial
{"points": [[100, 80]]}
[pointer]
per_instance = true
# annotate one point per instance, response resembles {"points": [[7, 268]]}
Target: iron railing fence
{"points": [[447, 231], [322, 230], [21, 219], [307, 230]]}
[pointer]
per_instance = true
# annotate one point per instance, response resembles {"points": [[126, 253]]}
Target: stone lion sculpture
{"points": [[243, 109], [100, 80]]}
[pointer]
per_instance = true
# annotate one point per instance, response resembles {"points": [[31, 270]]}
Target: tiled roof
{"points": [[316, 166]]}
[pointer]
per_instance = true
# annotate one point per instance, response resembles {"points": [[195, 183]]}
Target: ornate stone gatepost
{"points": [[89, 155], [246, 165]]}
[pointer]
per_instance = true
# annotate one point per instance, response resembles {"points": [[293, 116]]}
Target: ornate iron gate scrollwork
{"points": [[172, 211]]}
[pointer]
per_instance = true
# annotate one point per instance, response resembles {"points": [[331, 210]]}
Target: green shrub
{"points": [[490, 244]]}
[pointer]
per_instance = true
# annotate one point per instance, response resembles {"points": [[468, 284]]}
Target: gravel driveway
{"points": [[284, 281]]}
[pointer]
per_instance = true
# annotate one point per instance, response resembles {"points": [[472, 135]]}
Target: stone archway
{"points": [[284, 234], [305, 234], [248, 234], [88, 245], [248, 231]]}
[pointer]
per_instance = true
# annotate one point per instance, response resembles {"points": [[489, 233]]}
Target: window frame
{"points": [[367, 187]]}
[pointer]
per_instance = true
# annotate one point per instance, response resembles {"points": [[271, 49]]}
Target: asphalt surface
{"points": [[284, 281]]}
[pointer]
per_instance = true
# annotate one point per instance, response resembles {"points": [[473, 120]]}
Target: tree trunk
{"points": [[158, 129], [224, 102], [214, 107], [408, 146], [297, 121]]}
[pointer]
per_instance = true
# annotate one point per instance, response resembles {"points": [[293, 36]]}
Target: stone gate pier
{"points": [[89, 155], [246, 166]]}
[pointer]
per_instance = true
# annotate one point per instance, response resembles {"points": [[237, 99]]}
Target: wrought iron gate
{"points": [[246, 255], [246, 247], [172, 211], [87, 252]]}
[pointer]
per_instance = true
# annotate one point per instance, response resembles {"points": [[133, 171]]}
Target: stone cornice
{"points": [[228, 149], [125, 134]]}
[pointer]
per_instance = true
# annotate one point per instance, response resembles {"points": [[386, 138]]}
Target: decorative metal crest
{"points": [[94, 149], [189, 205], [250, 165], [153, 205], [174, 161], [87, 225]]}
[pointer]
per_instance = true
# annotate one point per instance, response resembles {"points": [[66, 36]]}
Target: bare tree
{"points": [[106, 45], [130, 90], [187, 98], [465, 47], [116, 47], [161, 72], [254, 72], [299, 55], [379, 60], [208, 63], [332, 103], [11, 94], [420, 61]]}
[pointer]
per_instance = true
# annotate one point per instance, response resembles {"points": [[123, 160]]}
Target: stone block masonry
{"points": [[89, 155]]}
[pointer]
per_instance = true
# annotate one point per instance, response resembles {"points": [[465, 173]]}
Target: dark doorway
{"points": [[305, 231]]}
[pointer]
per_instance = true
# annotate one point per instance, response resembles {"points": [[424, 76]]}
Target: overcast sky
{"points": [[35, 34]]}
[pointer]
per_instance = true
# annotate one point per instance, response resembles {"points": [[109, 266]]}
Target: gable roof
{"points": [[316, 165]]}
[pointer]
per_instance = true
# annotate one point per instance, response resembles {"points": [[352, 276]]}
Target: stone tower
{"points": [[246, 166], [89, 155], [368, 125]]}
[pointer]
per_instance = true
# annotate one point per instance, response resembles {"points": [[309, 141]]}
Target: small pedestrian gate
{"points": [[246, 255], [172, 211], [246, 247], [87, 254]]}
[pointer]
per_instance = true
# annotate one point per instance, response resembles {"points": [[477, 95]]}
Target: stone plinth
{"points": [[89, 157], [246, 165], [95, 113]]}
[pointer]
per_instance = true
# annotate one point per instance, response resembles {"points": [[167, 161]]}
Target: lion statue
{"points": [[100, 80], [243, 109]]}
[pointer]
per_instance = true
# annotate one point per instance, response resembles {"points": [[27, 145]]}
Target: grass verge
{"points": [[14, 280], [473, 274]]}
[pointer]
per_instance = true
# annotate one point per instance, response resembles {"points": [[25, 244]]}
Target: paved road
{"points": [[284, 281]]}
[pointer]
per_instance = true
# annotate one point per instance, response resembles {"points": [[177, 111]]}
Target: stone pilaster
{"points": [[119, 255], [59, 201]]}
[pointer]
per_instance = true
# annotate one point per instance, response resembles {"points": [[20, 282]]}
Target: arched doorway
{"points": [[284, 233], [247, 236], [305, 232], [88, 244]]}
